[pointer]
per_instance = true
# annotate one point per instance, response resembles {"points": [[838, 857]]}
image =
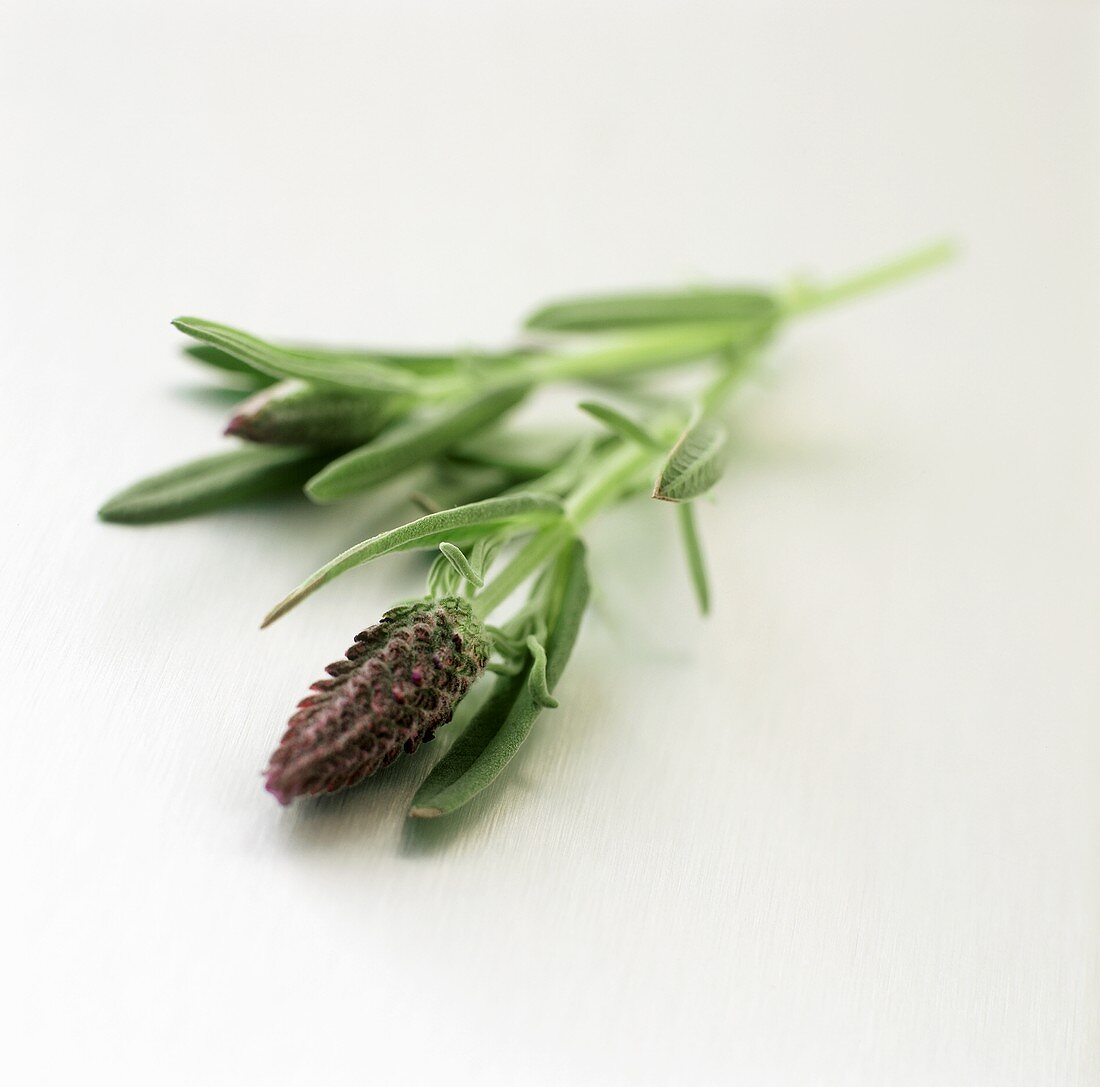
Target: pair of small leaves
{"points": [[379, 371], [499, 727], [694, 465], [506, 515], [691, 469], [209, 483]]}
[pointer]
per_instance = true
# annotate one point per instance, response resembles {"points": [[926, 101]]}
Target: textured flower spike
{"points": [[402, 679]]}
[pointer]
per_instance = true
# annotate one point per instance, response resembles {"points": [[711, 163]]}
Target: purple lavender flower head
{"points": [[402, 679]]}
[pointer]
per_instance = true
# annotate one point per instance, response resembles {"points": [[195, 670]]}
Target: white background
{"points": [[844, 832]]}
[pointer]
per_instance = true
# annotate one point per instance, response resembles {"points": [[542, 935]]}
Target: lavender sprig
{"points": [[341, 422]]}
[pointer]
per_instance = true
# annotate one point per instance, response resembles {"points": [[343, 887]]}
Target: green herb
{"points": [[323, 416], [211, 483], [695, 463], [505, 720], [411, 442], [614, 311], [507, 503]]}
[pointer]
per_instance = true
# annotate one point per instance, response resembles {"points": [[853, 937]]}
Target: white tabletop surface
{"points": [[843, 832]]}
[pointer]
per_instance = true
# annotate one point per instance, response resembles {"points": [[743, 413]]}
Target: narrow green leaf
{"points": [[409, 442], [529, 452], [463, 524], [443, 579], [439, 487], [693, 551], [695, 463], [597, 313], [484, 553], [353, 370], [461, 564], [620, 424], [536, 678], [212, 482], [215, 357], [504, 721]]}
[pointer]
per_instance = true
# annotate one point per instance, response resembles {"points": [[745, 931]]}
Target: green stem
{"points": [[621, 466], [673, 345], [616, 355], [541, 547], [613, 474], [624, 462], [655, 348], [714, 396], [807, 298]]}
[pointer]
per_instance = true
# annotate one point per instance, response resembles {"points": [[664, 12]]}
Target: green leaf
{"points": [[597, 313], [212, 482], [504, 721], [463, 524], [440, 489], [536, 678], [354, 370], [409, 442], [529, 452], [460, 563], [620, 424], [693, 551], [695, 463], [443, 579], [215, 357]]}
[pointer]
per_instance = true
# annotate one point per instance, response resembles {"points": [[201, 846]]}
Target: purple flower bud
{"points": [[294, 413], [402, 679]]}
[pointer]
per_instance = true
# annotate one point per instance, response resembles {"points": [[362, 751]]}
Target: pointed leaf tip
{"points": [[694, 464], [464, 524]]}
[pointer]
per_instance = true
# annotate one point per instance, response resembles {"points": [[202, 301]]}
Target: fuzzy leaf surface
{"points": [[598, 313], [463, 524], [504, 721], [695, 463], [211, 483], [409, 442], [380, 372]]}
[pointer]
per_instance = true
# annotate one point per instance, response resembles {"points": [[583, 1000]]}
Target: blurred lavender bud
{"points": [[402, 679], [324, 417]]}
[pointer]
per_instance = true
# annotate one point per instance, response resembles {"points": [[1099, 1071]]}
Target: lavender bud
{"points": [[402, 679], [294, 413]]}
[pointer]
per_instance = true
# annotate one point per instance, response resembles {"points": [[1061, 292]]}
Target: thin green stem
{"points": [[617, 469], [624, 462], [805, 298], [621, 467], [613, 356], [664, 346], [697, 565], [714, 396], [538, 550]]}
